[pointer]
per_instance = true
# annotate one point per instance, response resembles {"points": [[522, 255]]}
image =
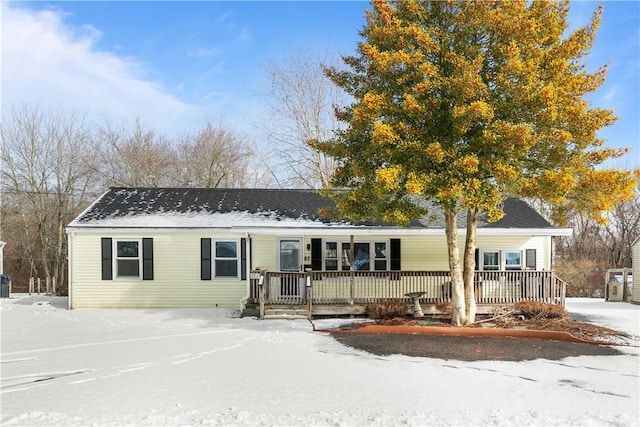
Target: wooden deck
{"points": [[324, 293]]}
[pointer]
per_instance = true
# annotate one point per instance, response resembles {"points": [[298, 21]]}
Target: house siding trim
{"points": [[326, 230]]}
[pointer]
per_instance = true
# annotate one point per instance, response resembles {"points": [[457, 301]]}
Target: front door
{"points": [[290, 261]]}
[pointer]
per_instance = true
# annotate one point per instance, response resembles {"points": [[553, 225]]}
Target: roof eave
{"points": [[332, 230]]}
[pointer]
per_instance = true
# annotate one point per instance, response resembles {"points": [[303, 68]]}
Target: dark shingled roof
{"points": [[283, 203], [119, 202]]}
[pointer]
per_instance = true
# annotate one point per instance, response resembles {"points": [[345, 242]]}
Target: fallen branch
{"points": [[494, 318]]}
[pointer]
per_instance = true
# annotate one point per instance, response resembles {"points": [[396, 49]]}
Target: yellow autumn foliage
{"points": [[389, 177]]}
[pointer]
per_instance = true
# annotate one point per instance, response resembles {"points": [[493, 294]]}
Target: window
{"points": [[331, 256], [380, 256], [491, 260], [513, 260], [494, 259], [346, 256], [362, 259], [127, 259], [226, 258]]}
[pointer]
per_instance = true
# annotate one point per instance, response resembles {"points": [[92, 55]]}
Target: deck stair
{"points": [[284, 312]]}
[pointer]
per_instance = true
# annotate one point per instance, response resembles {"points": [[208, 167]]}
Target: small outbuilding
{"points": [[635, 260], [2, 256]]}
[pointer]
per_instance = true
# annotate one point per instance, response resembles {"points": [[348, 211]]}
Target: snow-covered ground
{"points": [[177, 367]]}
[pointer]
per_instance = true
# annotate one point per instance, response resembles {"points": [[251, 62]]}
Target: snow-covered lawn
{"points": [[175, 367]]}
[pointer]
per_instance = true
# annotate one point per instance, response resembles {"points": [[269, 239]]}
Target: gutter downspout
{"points": [[243, 301]]}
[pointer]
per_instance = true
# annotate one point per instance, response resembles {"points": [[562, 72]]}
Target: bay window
{"points": [[365, 256]]}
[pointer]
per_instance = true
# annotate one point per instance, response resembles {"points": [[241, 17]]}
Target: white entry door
{"points": [[290, 261]]}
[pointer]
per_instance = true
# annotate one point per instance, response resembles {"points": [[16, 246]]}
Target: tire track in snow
{"points": [[119, 370], [122, 341]]}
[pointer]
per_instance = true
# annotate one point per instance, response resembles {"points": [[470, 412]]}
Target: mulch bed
{"points": [[510, 339], [468, 348]]}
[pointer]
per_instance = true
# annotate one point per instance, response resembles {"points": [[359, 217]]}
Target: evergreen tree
{"points": [[464, 104]]}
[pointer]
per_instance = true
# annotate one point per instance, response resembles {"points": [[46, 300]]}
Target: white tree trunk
{"points": [[458, 313], [469, 265]]}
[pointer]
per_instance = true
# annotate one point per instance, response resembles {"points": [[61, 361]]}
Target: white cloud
{"points": [[609, 98], [48, 63]]}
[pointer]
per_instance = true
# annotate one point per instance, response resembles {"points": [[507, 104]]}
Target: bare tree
{"points": [[214, 157], [136, 156], [585, 256], [47, 177], [301, 103], [620, 232]]}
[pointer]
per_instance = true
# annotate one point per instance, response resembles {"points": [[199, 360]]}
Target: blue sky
{"points": [[177, 65]]}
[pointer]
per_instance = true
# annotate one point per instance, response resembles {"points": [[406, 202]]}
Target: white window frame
{"points": [[386, 259], [335, 252], [116, 258], [215, 258], [513, 266], [502, 257], [340, 255]]}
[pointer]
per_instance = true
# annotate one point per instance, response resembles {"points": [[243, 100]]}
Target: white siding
{"points": [[263, 252], [176, 283], [422, 253], [176, 264], [542, 245]]}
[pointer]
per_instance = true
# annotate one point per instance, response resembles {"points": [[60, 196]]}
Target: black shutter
{"points": [[477, 259], [147, 259], [243, 258], [316, 254], [394, 254], [205, 259], [531, 259], [107, 253]]}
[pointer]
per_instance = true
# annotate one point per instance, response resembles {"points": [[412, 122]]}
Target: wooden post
{"points": [[626, 272], [38, 286], [351, 271], [309, 292], [261, 292], [54, 285], [31, 285], [47, 285]]}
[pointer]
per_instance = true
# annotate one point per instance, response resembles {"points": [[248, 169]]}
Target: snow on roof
{"points": [[266, 208], [195, 219]]}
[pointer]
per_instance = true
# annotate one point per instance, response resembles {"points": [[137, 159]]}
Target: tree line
{"points": [[55, 164], [442, 101]]}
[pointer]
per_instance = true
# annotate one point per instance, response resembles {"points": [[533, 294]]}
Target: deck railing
{"points": [[366, 287]]}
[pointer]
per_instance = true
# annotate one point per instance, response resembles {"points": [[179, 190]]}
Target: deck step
{"points": [[285, 316], [286, 313]]}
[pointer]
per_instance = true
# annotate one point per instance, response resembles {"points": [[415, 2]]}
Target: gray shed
{"points": [[635, 247]]}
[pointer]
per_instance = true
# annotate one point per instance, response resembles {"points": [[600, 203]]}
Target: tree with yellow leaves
{"points": [[464, 104]]}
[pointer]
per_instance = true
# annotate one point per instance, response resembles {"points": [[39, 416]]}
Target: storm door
{"points": [[290, 262]]}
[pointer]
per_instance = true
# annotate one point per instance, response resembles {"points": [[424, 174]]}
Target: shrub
{"points": [[584, 277], [534, 309], [444, 307], [387, 309]]}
